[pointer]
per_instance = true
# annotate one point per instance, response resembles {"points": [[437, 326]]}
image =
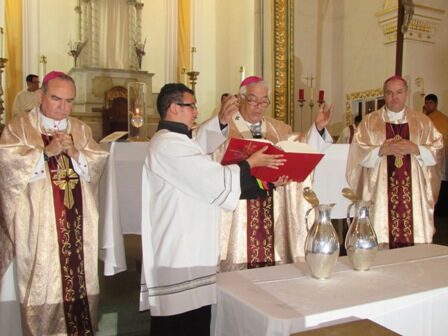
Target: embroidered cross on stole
{"points": [[67, 198]]}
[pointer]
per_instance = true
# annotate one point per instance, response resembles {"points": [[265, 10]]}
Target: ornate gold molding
{"points": [[361, 95], [422, 27], [284, 60]]}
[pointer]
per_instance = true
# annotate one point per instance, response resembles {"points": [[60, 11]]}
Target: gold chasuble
{"points": [[49, 225], [404, 190], [263, 231]]}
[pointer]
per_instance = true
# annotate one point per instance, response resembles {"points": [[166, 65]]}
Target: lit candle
{"points": [[1, 42], [321, 95], [184, 76], [193, 50], [137, 111], [243, 73], [301, 94], [311, 88]]}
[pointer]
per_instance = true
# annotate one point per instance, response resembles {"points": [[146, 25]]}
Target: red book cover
{"points": [[297, 167]]}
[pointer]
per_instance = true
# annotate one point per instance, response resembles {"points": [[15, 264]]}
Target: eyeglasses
{"points": [[191, 105], [253, 101]]}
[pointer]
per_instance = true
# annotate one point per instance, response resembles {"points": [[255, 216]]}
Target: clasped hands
{"points": [[61, 142], [398, 147]]}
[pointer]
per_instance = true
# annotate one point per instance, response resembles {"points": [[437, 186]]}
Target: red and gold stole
{"points": [[399, 189], [67, 198], [260, 232]]}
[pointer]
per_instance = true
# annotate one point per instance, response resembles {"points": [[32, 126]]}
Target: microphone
{"points": [[256, 131]]}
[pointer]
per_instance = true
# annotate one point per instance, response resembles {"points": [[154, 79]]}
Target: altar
{"points": [[120, 195], [92, 85]]}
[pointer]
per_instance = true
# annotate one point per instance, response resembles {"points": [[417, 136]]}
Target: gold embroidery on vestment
{"points": [[401, 190], [66, 179]]}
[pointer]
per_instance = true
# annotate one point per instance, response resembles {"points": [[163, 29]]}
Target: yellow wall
{"points": [[340, 42]]}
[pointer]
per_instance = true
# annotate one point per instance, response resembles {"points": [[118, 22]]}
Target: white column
{"points": [[85, 57], [132, 34], [78, 10], [30, 37], [95, 34], [171, 41], [138, 19]]}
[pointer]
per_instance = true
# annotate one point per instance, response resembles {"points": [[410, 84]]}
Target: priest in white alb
{"points": [[182, 193]]}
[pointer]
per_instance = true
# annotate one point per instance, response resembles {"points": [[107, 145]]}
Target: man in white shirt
{"points": [[346, 136], [394, 160], [28, 98]]}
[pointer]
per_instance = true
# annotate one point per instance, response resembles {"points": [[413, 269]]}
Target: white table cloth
{"points": [[406, 291], [120, 201], [120, 195], [329, 179]]}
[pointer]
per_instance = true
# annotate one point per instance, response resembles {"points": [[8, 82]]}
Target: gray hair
{"points": [[243, 89]]}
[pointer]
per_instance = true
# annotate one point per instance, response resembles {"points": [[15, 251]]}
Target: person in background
{"points": [[28, 98], [440, 120], [395, 161], [348, 132], [49, 175], [183, 190], [268, 228]]}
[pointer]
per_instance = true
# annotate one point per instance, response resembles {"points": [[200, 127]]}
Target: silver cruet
{"points": [[322, 243], [361, 242]]}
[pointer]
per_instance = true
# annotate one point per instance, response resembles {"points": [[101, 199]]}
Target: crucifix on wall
{"points": [[405, 13]]}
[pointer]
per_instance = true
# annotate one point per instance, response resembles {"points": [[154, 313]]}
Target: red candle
{"points": [[301, 94], [321, 95]]}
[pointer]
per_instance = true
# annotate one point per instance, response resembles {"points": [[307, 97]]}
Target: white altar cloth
{"points": [[120, 202], [120, 195], [406, 291], [329, 179]]}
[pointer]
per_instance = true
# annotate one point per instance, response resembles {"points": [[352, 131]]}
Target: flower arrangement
{"points": [[75, 49], [139, 48]]}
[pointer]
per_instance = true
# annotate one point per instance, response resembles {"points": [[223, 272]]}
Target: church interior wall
{"points": [[57, 26], [154, 30], [234, 43], [339, 42]]}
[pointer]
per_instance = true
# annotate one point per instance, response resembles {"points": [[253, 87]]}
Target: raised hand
{"points": [[229, 107], [323, 117]]}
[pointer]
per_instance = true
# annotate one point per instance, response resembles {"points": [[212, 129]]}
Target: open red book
{"points": [[300, 158]]}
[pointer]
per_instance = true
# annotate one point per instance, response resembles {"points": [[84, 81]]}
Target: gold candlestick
{"points": [[193, 76], [43, 61], [2, 109]]}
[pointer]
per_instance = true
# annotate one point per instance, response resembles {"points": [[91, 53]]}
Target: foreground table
{"points": [[406, 291]]}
